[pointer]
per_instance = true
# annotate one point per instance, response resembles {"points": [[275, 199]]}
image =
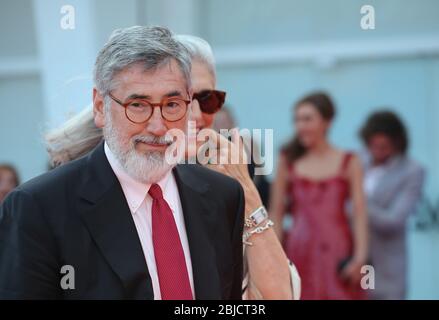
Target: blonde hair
{"points": [[74, 138]]}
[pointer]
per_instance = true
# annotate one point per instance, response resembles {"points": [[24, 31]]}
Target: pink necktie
{"points": [[168, 251]]}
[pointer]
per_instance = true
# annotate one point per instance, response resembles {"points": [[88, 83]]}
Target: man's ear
{"points": [[98, 109]]}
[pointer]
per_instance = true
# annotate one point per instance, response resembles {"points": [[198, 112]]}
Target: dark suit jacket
{"points": [[77, 215]]}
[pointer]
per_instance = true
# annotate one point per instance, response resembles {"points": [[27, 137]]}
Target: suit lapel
{"points": [[107, 217], [196, 211], [109, 221]]}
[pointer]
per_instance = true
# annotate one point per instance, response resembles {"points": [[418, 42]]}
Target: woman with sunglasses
{"points": [[268, 274]]}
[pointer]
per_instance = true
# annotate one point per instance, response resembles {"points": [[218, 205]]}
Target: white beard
{"points": [[149, 167]]}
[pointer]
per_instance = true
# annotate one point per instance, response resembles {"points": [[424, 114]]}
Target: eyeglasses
{"points": [[210, 101], [140, 110]]}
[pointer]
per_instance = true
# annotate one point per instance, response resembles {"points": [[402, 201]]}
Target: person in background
{"points": [[318, 179], [8, 180], [393, 185], [269, 275]]}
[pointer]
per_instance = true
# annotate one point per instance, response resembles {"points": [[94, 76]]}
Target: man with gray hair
{"points": [[122, 222]]}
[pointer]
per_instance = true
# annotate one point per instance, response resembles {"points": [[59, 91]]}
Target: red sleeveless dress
{"points": [[320, 238]]}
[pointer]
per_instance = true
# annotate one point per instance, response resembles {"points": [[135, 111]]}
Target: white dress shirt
{"points": [[374, 174], [372, 177], [140, 204]]}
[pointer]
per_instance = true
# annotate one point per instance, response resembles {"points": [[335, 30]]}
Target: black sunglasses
{"points": [[210, 101]]}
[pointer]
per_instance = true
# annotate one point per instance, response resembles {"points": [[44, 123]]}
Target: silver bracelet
{"points": [[259, 229], [256, 218]]}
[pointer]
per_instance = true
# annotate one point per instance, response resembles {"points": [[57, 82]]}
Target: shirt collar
{"points": [[388, 164], [135, 191]]}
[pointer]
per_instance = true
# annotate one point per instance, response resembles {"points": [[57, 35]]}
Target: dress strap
{"points": [[345, 163]]}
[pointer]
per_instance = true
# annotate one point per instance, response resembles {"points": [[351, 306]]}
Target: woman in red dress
{"points": [[327, 248]]}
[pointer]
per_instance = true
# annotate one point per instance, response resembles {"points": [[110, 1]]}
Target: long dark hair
{"points": [[322, 102]]}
